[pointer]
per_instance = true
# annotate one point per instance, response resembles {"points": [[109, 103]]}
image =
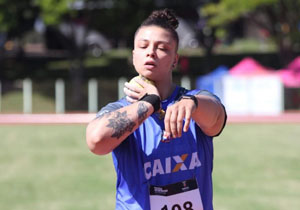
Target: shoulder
{"points": [[205, 93], [112, 107], [184, 91]]}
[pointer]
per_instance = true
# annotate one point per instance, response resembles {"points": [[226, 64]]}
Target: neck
{"points": [[165, 88]]}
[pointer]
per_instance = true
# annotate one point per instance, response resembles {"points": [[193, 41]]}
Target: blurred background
{"points": [[73, 55], [62, 60]]}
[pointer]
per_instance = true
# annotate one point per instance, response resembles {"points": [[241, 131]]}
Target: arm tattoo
{"points": [[142, 112], [120, 123], [106, 114]]}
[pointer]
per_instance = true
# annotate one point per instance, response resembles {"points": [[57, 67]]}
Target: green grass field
{"points": [[257, 167], [13, 103]]}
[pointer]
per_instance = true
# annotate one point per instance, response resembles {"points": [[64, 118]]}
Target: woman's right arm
{"points": [[108, 130]]}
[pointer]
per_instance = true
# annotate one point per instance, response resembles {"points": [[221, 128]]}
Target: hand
{"points": [[176, 114], [136, 91]]}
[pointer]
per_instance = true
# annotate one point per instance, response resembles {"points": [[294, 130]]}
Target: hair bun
{"points": [[165, 19], [167, 15]]}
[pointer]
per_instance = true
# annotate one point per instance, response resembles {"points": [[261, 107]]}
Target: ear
{"points": [[175, 61], [133, 57]]}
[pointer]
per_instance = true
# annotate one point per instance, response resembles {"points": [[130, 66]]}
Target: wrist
{"points": [[191, 97], [153, 99]]}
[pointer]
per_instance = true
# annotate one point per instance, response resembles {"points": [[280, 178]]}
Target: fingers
{"points": [[173, 124], [141, 82], [178, 118], [133, 87], [137, 88], [131, 100], [133, 92], [174, 121], [188, 117], [167, 123]]}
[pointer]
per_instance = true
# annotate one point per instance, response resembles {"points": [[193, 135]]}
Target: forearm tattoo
{"points": [[142, 112], [120, 123]]}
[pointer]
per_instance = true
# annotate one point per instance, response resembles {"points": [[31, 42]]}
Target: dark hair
{"points": [[166, 19]]}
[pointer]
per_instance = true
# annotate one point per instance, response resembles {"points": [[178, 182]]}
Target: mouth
{"points": [[150, 64]]}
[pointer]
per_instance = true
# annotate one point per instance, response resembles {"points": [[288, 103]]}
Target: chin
{"points": [[146, 73], [149, 76]]}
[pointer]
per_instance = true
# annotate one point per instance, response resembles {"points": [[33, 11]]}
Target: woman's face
{"points": [[155, 53]]}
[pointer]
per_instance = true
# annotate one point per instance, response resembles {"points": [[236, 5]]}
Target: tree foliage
{"points": [[227, 11], [14, 12], [18, 16], [280, 18], [53, 10], [120, 20]]}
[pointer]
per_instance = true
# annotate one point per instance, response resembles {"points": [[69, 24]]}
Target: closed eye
{"points": [[163, 49]]}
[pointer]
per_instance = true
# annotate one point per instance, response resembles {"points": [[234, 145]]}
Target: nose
{"points": [[151, 52]]}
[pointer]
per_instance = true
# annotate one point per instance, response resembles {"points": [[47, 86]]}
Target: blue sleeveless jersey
{"points": [[143, 159]]}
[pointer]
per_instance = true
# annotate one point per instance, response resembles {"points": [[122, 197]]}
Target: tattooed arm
{"points": [[110, 129]]}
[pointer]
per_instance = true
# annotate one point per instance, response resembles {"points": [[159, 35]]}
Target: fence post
{"points": [[27, 96], [121, 83], [0, 96], [186, 82], [93, 95], [59, 96]]}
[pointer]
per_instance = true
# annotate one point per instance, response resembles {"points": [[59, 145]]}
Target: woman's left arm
{"points": [[209, 115], [205, 110]]}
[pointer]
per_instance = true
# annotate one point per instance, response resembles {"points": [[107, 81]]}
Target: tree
{"points": [[116, 18], [120, 19], [18, 17], [281, 19]]}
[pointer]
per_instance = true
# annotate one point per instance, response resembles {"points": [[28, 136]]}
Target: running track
{"points": [[83, 118]]}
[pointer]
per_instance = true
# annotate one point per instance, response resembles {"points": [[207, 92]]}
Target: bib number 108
{"points": [[186, 206]]}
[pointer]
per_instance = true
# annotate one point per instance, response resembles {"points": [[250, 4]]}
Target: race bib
{"points": [[183, 195]]}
